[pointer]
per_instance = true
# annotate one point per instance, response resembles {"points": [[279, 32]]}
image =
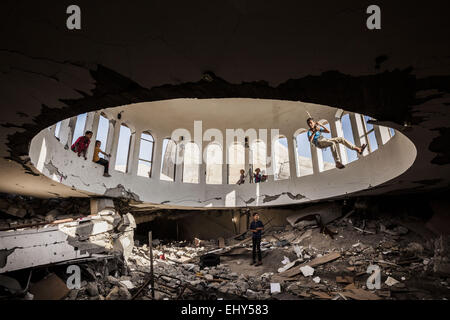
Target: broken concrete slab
{"points": [[307, 216], [275, 288], [391, 281], [53, 243], [287, 266], [307, 271], [313, 263], [99, 204], [16, 212]]}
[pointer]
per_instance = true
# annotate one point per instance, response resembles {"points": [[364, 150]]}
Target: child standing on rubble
{"points": [[97, 159], [256, 227], [81, 145]]}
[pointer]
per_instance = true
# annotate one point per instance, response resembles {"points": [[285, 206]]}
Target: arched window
{"points": [[258, 156], [169, 158], [236, 162], [123, 149], [102, 133], [79, 127], [214, 164], [348, 134], [145, 155], [281, 158], [326, 160], [303, 154], [191, 163]]}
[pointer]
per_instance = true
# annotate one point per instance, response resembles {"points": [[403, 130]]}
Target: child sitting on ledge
{"points": [[99, 160]]}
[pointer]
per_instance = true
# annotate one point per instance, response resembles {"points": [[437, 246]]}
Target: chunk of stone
{"points": [[391, 281], [17, 212], [275, 288], [414, 248], [307, 271], [209, 277], [51, 215], [128, 284], [92, 289], [113, 294]]}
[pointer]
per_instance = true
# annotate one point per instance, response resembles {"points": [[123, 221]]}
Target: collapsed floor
{"points": [[323, 251]]}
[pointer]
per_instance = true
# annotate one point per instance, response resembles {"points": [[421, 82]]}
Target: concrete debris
{"points": [[391, 281], [323, 213], [92, 289], [285, 260], [297, 264], [287, 266], [307, 234], [396, 231], [298, 251], [17, 212], [307, 271], [414, 249], [275, 288]]}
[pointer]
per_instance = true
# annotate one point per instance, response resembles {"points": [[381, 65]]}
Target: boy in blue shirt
{"points": [[315, 137], [256, 227]]}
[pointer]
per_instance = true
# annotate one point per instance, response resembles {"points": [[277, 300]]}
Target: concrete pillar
{"points": [[291, 154], [317, 163], [67, 128], [378, 137], [336, 131], [92, 120], [134, 159], [157, 156], [179, 163], [202, 167], [355, 130], [131, 160], [248, 160], [114, 143], [269, 160], [72, 124], [225, 163], [110, 137]]}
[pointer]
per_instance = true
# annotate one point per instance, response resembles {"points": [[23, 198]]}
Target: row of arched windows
{"points": [[365, 132]]}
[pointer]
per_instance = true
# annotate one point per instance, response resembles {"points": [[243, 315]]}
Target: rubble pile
{"points": [[317, 254], [18, 211]]}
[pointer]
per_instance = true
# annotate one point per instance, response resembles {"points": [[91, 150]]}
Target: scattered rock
{"points": [[307, 271], [92, 289]]}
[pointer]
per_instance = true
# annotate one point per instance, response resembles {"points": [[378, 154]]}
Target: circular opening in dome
{"points": [[218, 153]]}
